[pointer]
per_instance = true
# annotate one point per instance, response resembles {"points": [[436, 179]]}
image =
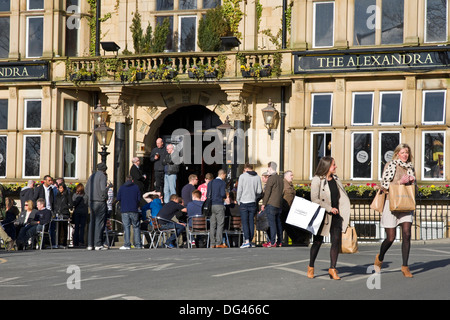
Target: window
{"points": [[321, 109], [390, 108], [72, 26], [323, 24], [392, 21], [365, 24], [320, 147], [433, 110], [364, 20], [169, 42], [32, 156], [3, 114], [35, 5], [4, 37], [70, 157], [3, 140], [208, 4], [433, 154], [362, 108], [187, 33], [35, 37], [436, 21], [187, 4], [387, 144], [362, 155], [32, 114], [70, 115], [5, 5], [162, 5]]}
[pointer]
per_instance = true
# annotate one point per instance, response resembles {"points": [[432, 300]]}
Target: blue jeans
{"points": [[131, 219], [276, 230], [170, 184], [173, 238], [248, 211]]}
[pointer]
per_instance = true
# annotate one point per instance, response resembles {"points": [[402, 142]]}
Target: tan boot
{"points": [[406, 272], [377, 264], [333, 274], [310, 273]]}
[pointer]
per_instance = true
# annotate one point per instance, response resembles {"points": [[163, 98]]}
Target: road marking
{"points": [[434, 250], [3, 260], [120, 295], [259, 268]]}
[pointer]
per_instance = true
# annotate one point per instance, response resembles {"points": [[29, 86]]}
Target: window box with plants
{"points": [[133, 74], [256, 71], [203, 72], [83, 75], [163, 72]]}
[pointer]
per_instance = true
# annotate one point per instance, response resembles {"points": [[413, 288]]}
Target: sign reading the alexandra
{"points": [[357, 60], [24, 71]]}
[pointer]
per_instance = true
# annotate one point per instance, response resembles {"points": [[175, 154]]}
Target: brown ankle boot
{"points": [[310, 273], [406, 272], [333, 274], [377, 264]]}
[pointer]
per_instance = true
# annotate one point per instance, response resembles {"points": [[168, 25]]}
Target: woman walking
{"points": [[329, 193], [399, 170]]}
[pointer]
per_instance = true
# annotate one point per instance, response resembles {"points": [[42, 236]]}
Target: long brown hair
{"points": [[324, 166]]}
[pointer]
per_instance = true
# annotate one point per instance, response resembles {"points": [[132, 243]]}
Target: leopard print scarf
{"points": [[389, 171]]}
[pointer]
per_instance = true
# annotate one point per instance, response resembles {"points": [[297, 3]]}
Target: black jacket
{"points": [[63, 203], [169, 165]]}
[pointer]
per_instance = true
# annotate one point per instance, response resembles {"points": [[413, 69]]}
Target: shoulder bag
{"points": [[207, 204], [378, 202], [402, 197], [349, 243]]}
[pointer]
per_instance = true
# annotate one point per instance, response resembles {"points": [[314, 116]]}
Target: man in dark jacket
{"points": [[169, 210], [137, 175], [27, 193], [272, 204], [156, 156], [218, 194], [171, 167], [129, 196], [41, 218]]}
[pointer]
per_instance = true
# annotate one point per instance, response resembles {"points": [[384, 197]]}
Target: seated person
{"points": [[168, 211], [154, 204], [26, 216], [194, 208], [41, 218]]}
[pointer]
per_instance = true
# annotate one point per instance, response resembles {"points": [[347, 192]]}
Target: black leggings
{"points": [[336, 238], [406, 242]]}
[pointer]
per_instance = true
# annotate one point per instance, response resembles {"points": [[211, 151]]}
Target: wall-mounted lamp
{"points": [[270, 115]]}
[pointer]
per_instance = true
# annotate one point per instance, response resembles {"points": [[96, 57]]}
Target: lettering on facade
{"points": [[356, 60], [24, 71]]}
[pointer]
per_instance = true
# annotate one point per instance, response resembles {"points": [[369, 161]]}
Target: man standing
{"points": [[218, 194], [186, 192], [27, 193], [171, 168], [97, 192], [273, 194], [249, 189], [45, 191], [156, 156], [129, 196], [137, 175]]}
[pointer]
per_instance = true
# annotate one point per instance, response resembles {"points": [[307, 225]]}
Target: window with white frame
{"points": [[31, 156], [390, 108], [70, 157], [3, 114], [35, 4], [362, 113], [70, 115], [187, 33], [433, 109], [388, 141], [436, 20], [3, 141], [35, 37], [320, 147], [32, 115], [323, 24], [433, 155], [362, 155], [321, 109]]}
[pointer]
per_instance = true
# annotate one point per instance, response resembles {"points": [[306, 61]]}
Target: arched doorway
{"points": [[184, 118]]}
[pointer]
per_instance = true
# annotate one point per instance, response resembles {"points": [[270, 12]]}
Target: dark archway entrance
{"points": [[184, 118]]}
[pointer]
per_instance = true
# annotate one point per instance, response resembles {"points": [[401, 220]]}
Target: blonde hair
{"points": [[400, 147]]}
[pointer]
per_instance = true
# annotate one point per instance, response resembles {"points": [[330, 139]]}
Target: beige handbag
{"points": [[349, 243], [402, 197], [379, 200]]}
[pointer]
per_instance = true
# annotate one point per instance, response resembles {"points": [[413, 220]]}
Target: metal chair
{"points": [[197, 226], [234, 228], [151, 233], [113, 229], [40, 236], [163, 232]]}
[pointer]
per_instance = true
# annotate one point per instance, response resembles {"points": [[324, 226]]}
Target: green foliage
{"points": [[233, 15], [136, 32], [211, 27], [159, 40], [146, 42]]}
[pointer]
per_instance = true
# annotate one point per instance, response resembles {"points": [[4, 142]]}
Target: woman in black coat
{"points": [[62, 206], [80, 213]]}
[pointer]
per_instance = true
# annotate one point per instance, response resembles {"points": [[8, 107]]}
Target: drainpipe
{"points": [[282, 128]]}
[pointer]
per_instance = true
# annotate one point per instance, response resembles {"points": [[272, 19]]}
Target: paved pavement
{"points": [[256, 274]]}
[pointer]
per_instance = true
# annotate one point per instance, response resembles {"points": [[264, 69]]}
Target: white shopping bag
{"points": [[306, 215]]}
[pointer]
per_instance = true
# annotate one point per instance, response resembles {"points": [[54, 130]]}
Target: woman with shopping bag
{"points": [[328, 191], [398, 177]]}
